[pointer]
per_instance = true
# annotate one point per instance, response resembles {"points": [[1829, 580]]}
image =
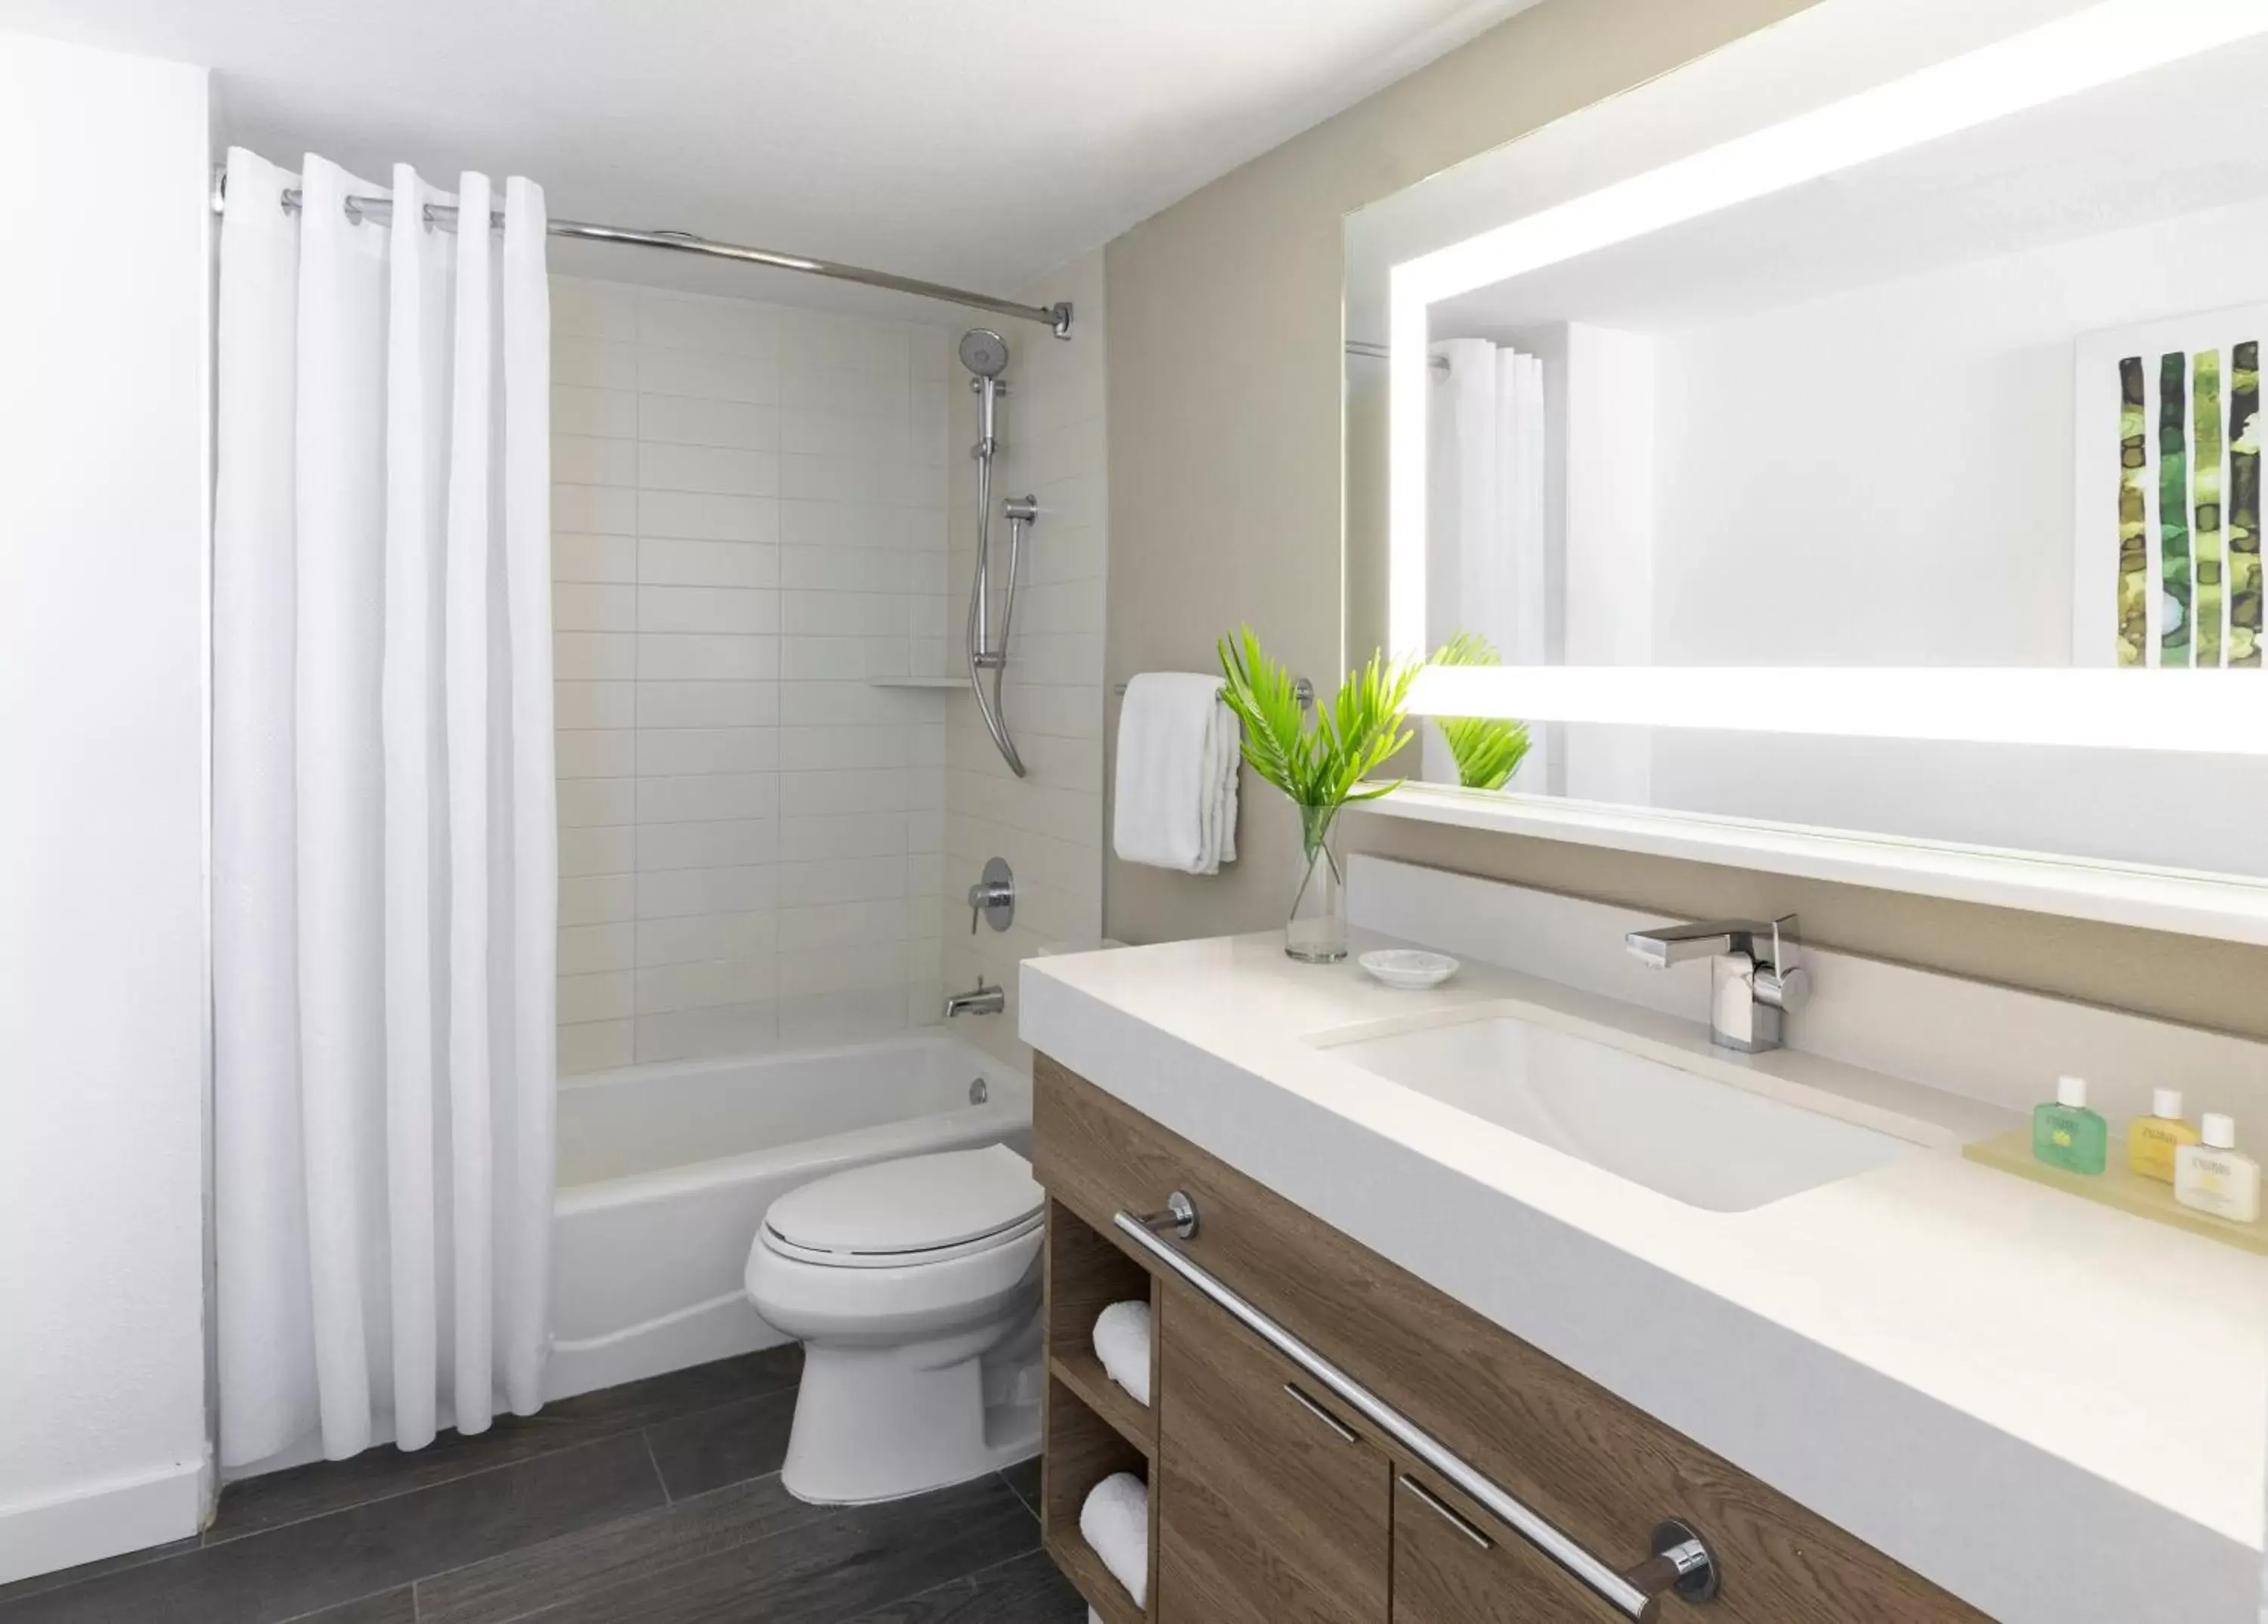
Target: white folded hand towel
{"points": [[1116, 1522], [1176, 781], [1121, 1341]]}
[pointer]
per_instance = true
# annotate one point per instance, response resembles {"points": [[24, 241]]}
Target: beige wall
{"points": [[1224, 380], [1224, 413]]}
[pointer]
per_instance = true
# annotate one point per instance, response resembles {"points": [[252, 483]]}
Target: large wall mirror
{"points": [[1845, 454]]}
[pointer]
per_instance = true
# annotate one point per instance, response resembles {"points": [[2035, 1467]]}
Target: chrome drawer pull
{"points": [[1684, 1563], [1449, 1513], [1345, 1432]]}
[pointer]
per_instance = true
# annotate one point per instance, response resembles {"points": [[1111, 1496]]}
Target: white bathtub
{"points": [[664, 1172]]}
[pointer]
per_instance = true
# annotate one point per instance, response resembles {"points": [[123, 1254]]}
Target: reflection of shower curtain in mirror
{"points": [[1486, 546]]}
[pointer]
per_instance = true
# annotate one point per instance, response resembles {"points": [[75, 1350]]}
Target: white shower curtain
{"points": [[1487, 546], [384, 848]]}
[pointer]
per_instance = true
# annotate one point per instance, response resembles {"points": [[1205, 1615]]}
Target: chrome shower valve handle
{"points": [[993, 897]]}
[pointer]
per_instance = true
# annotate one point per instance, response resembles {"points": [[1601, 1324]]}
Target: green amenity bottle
{"points": [[2066, 1135]]}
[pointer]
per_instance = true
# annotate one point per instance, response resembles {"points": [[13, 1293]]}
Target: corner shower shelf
{"points": [[942, 684]]}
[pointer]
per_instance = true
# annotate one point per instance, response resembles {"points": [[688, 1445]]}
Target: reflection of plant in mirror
{"points": [[1488, 750]]}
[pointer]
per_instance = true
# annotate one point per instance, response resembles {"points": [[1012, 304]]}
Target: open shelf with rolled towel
{"points": [[1095, 1430]]}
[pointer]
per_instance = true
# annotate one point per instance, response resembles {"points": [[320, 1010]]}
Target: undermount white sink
{"points": [[1696, 1140]]}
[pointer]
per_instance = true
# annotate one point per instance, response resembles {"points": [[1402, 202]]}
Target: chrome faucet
{"points": [[980, 1000], [1754, 975]]}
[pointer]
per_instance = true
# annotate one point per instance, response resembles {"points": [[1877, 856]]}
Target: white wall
{"points": [[103, 392], [1884, 477], [1049, 825], [749, 528]]}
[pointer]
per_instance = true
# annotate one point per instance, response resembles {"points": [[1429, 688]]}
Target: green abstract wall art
{"points": [[2168, 504]]}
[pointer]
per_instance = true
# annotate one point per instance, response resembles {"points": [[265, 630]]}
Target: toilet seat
{"points": [[908, 1213]]}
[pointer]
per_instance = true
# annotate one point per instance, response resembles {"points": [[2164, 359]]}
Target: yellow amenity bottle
{"points": [[2152, 1141]]}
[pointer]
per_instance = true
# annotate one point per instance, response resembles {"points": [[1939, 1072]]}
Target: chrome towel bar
{"points": [[1680, 1561], [1303, 691], [1179, 1214]]}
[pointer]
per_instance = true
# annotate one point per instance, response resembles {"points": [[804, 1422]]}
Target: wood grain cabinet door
{"points": [[1271, 1508], [1454, 1565]]}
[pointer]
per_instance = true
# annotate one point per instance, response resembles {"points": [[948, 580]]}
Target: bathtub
{"points": [[664, 1172]]}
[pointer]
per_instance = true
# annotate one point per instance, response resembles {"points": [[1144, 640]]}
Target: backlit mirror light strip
{"points": [[2157, 710]]}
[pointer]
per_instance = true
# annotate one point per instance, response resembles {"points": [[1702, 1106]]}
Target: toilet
{"points": [[914, 1286]]}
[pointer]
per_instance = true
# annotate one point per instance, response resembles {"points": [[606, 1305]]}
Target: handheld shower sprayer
{"points": [[985, 354]]}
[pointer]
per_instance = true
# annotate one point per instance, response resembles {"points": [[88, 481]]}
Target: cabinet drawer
{"points": [[1452, 1565], [1271, 1508], [1601, 1470]]}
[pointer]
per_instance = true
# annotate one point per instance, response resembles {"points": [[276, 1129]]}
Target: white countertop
{"points": [[2054, 1410]]}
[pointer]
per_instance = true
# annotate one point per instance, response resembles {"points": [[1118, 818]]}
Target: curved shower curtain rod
{"points": [[1056, 318]]}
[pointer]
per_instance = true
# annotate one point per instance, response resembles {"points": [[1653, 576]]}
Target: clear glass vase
{"points": [[1316, 932]]}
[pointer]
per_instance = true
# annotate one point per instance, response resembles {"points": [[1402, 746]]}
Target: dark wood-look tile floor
{"points": [[656, 1502]]}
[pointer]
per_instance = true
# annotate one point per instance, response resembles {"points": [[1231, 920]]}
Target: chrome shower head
{"points": [[984, 352]]}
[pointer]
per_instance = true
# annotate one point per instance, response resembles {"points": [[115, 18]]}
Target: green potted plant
{"points": [[1321, 768], [1487, 750]]}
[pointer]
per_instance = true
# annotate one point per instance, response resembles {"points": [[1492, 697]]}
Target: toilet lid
{"points": [[916, 1204]]}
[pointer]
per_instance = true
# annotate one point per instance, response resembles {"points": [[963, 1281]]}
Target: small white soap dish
{"points": [[1409, 968]]}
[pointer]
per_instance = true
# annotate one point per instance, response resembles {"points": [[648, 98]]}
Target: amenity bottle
{"points": [[2152, 1141], [2217, 1177], [2066, 1135]]}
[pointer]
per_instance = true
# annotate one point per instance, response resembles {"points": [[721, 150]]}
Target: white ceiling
{"points": [[975, 142]]}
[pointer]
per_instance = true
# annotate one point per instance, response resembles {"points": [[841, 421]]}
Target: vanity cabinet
{"points": [[1270, 1505], [1279, 1497]]}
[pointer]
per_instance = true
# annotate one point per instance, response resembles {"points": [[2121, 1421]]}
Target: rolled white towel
{"points": [[1121, 1341], [1116, 1522]]}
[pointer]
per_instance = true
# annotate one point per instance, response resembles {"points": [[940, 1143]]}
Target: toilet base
{"points": [[881, 1423]]}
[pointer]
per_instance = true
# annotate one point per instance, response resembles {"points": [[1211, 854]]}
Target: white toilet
{"points": [[914, 1288]]}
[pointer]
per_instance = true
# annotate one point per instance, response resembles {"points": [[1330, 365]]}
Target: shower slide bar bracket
{"points": [[1019, 512], [1056, 318]]}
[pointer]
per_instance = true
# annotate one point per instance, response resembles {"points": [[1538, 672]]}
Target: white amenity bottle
{"points": [[2214, 1176]]}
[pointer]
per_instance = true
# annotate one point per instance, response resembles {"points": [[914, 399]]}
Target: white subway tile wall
{"points": [[1049, 825], [749, 526]]}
